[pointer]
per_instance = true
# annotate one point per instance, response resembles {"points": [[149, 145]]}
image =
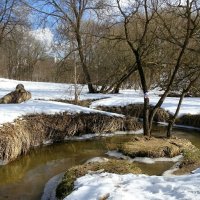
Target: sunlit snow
{"points": [[106, 185], [49, 91], [140, 187]]}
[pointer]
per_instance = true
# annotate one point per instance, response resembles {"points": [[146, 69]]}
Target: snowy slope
{"points": [[140, 187]]}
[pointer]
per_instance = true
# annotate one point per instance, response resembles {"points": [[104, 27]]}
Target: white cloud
{"points": [[44, 35]]}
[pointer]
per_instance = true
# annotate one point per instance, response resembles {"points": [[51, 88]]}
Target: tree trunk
{"points": [[83, 64], [146, 116], [125, 77], [169, 128], [173, 119], [146, 97]]}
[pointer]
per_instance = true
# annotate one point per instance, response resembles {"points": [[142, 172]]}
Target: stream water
{"points": [[25, 178]]}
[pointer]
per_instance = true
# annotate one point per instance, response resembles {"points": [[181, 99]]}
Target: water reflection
{"points": [[192, 135]]}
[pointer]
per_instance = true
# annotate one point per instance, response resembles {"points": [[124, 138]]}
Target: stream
{"points": [[25, 178]]}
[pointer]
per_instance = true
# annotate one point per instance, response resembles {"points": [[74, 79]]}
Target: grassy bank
{"points": [[136, 110], [113, 166], [18, 138]]}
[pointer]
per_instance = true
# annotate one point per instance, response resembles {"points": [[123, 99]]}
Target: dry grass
{"points": [[163, 147], [84, 103], [154, 147], [189, 120], [111, 166], [191, 161], [136, 110], [16, 139], [139, 146]]}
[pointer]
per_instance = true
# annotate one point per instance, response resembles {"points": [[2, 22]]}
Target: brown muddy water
{"points": [[25, 178]]}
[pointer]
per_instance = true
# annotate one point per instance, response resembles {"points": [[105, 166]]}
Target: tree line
{"points": [[108, 45]]}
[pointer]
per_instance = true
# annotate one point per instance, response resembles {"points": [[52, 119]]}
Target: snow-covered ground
{"points": [[112, 186], [47, 91], [50, 91], [141, 187], [10, 112], [146, 160], [41, 90], [189, 105]]}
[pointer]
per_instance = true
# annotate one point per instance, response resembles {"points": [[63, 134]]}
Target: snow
{"points": [[41, 90], [97, 160], [50, 91], [140, 187], [95, 186], [147, 160], [196, 171], [10, 112], [95, 135], [189, 105], [170, 172], [50, 187]]}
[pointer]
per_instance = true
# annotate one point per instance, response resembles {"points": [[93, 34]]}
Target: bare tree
{"points": [[70, 15], [151, 19], [6, 11], [183, 93], [189, 15], [137, 46], [12, 13], [22, 51]]}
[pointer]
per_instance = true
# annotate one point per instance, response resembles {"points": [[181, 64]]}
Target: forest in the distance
{"points": [[105, 44]]}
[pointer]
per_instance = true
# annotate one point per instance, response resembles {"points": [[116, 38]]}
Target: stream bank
{"points": [[18, 138]]}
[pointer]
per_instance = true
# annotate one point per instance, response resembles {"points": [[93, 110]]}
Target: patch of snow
{"points": [[140, 187], [50, 187], [189, 105], [170, 172], [180, 126], [197, 171], [97, 159], [187, 127], [10, 112], [94, 135], [118, 155], [129, 132], [47, 142], [3, 162], [147, 160], [48, 90]]}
